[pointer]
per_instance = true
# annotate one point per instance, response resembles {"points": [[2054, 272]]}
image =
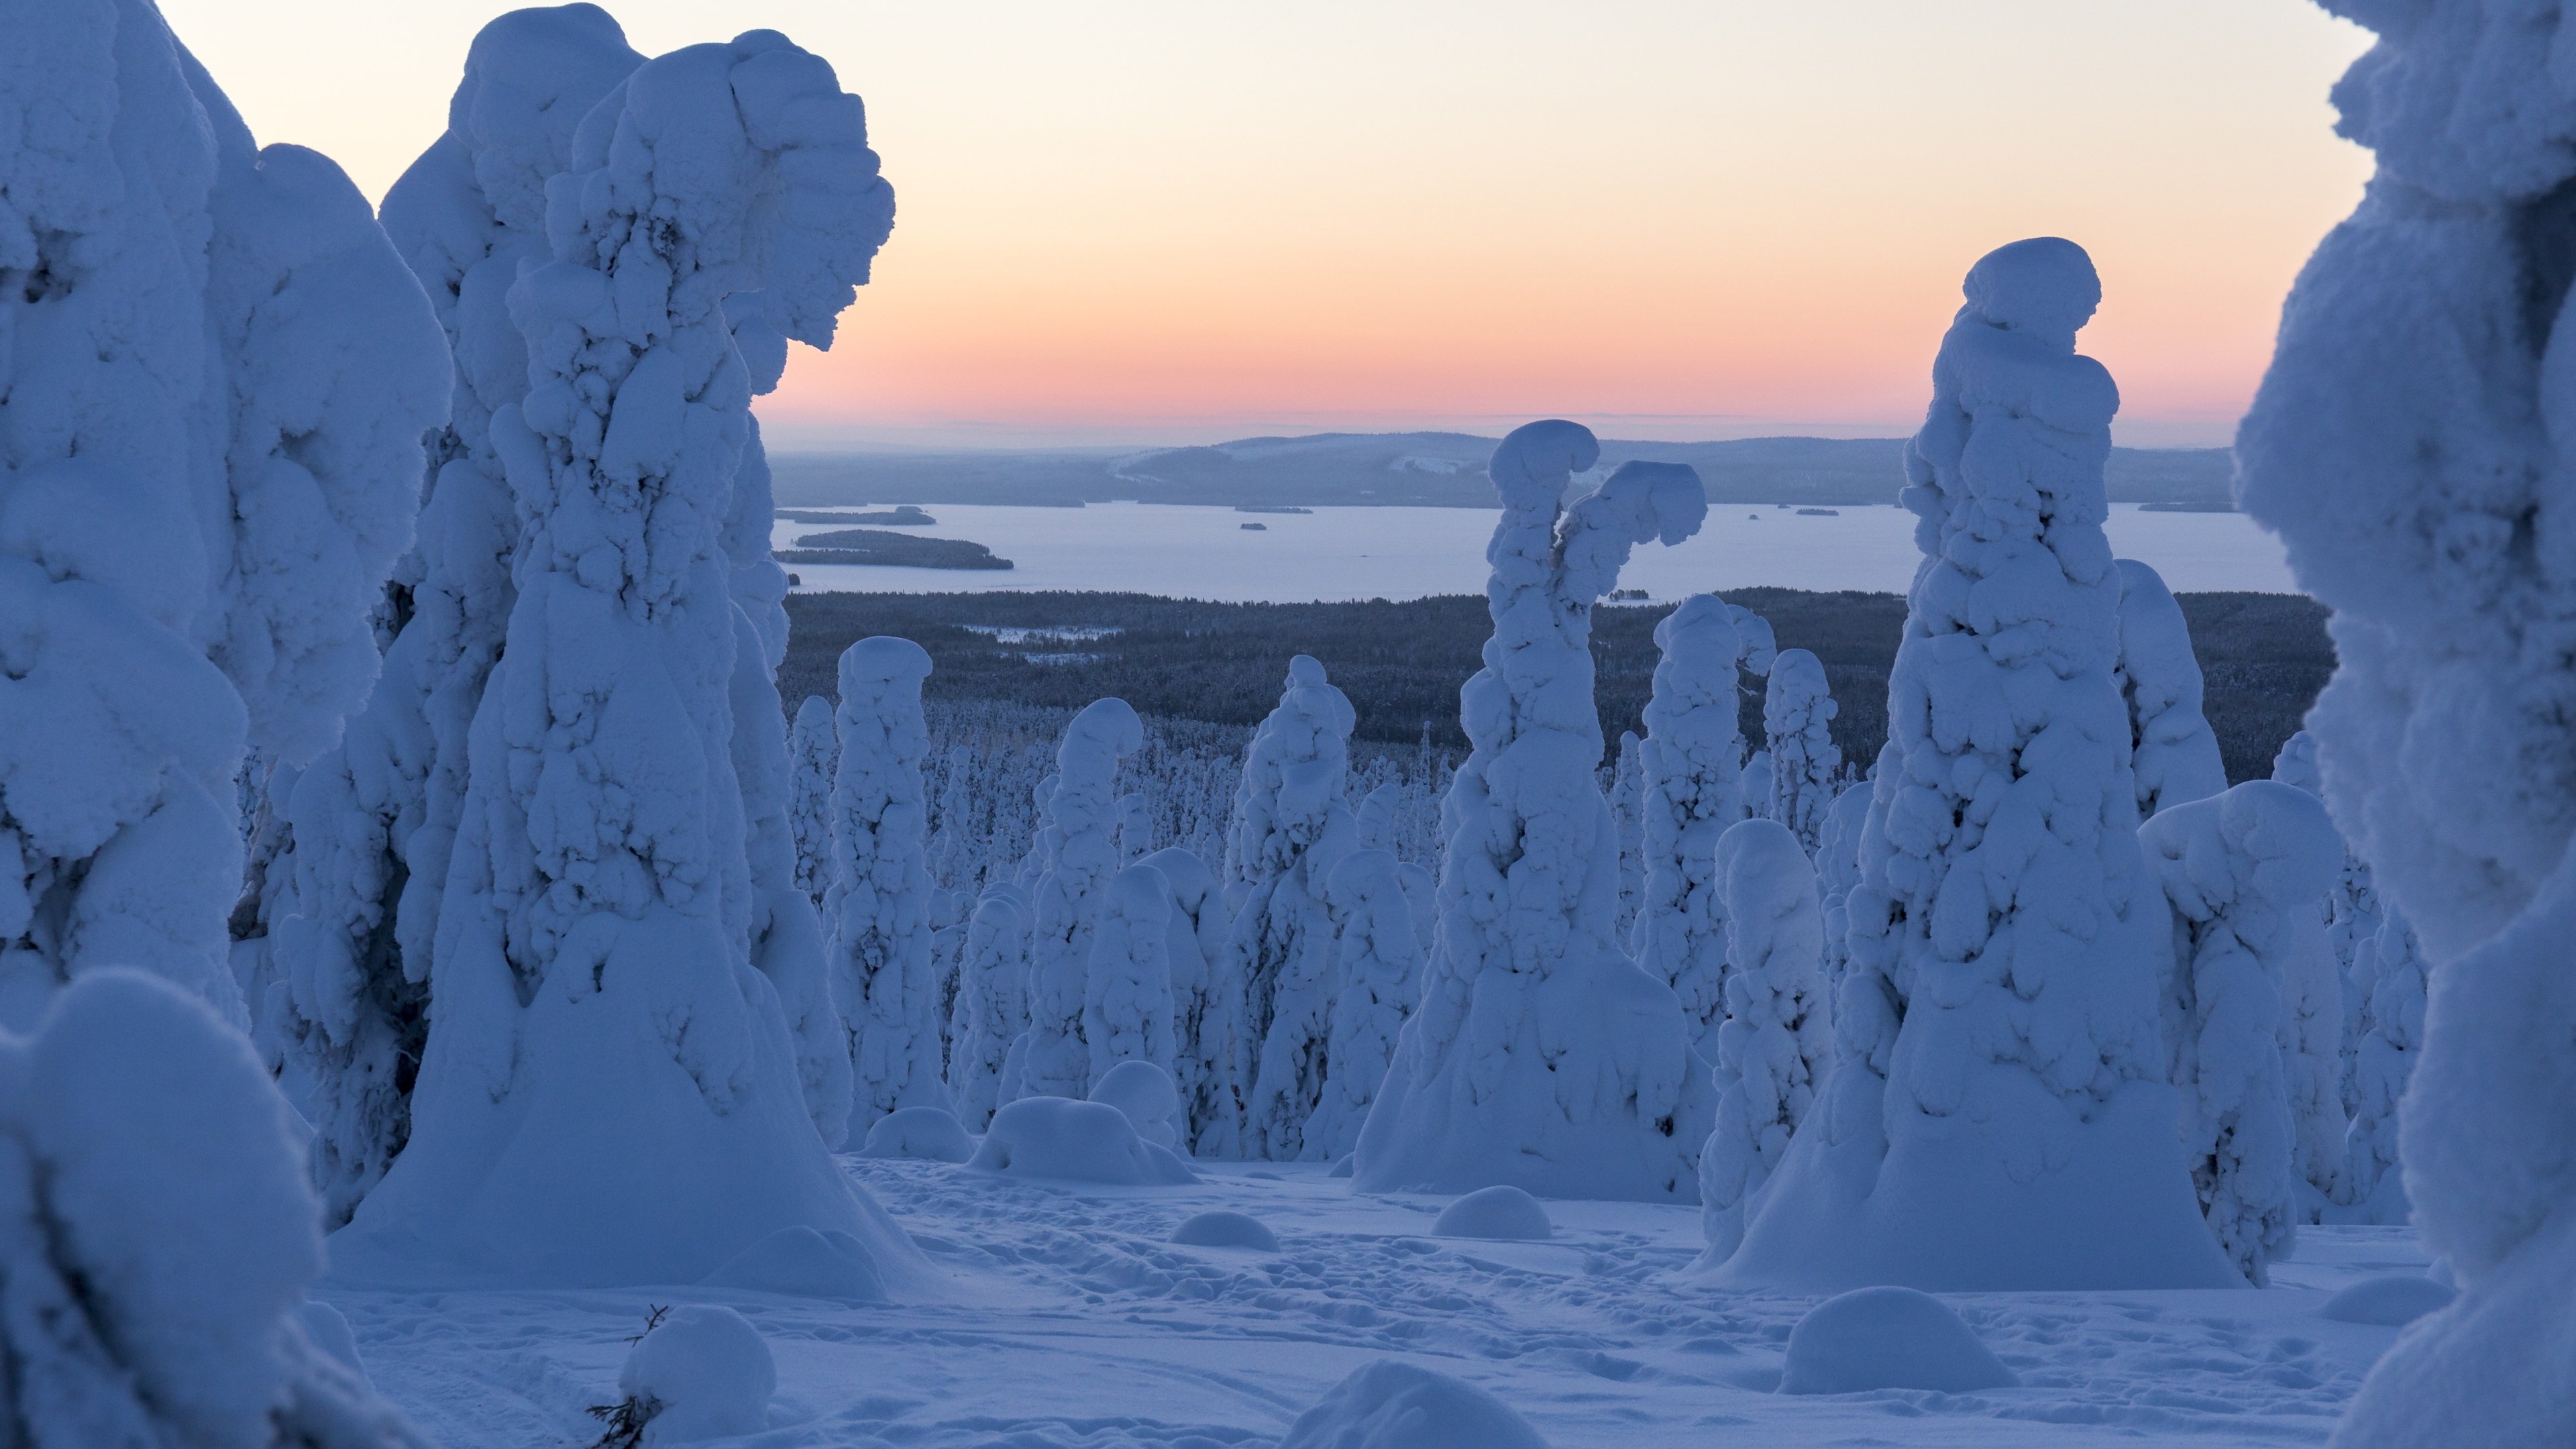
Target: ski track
{"points": [[1075, 1324]]}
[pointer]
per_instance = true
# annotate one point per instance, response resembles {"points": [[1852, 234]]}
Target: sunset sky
{"points": [[1126, 223]]}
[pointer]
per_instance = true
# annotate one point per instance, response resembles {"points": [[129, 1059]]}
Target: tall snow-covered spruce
{"points": [[1541, 1056], [1777, 1036], [814, 753], [1380, 966], [2174, 756], [609, 1092], [2413, 446], [1693, 759], [1999, 1115], [1798, 711], [1078, 849]]}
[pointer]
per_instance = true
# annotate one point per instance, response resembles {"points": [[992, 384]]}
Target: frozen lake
{"points": [[1406, 553]]}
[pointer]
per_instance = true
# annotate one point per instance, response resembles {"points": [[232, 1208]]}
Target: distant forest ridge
{"points": [[1445, 470]]}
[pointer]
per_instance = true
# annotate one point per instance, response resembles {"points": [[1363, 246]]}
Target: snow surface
{"points": [[1407, 553]]}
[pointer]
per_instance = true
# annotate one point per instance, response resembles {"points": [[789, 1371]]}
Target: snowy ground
{"points": [[1406, 553], [1073, 1322]]}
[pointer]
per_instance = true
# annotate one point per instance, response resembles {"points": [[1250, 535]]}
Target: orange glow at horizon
{"points": [[1149, 222]]}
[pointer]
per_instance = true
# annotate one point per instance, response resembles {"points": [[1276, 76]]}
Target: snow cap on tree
{"points": [[1999, 1115], [1541, 1056], [2175, 757]]}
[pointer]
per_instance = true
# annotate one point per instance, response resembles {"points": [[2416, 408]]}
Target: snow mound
{"points": [[2388, 1302], [1393, 1405], [1888, 1338], [1078, 1142], [1226, 1230], [1504, 1213], [701, 1373], [1146, 1094], [803, 1262], [924, 1132]]}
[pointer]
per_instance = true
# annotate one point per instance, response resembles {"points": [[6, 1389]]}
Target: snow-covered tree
{"points": [[1379, 830], [953, 857], [1773, 1048], [1079, 851], [814, 748], [2392, 1034], [2411, 446], [1837, 871], [1806, 766], [1290, 829], [1127, 994], [786, 930], [2174, 757], [1378, 972], [1999, 1115], [376, 817], [1541, 1056], [880, 903], [1758, 644], [2242, 871], [1693, 757], [2353, 917], [993, 1000], [1207, 1004], [609, 1092], [1135, 827], [1628, 815]]}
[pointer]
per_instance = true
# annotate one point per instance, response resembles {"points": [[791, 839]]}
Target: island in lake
{"points": [[895, 550], [903, 515]]}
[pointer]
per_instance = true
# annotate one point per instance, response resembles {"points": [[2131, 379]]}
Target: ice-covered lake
{"points": [[1405, 553]]}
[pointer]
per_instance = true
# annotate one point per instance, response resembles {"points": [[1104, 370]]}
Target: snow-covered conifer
{"points": [[2391, 1037], [1379, 970], [1773, 1048], [814, 747], [1693, 757], [1135, 827], [609, 1092], [2243, 871], [992, 995], [2174, 756], [1837, 871], [880, 902], [1207, 1004], [1806, 766], [1758, 644], [2411, 445], [1127, 991], [1999, 1114], [1290, 829], [1079, 848], [2353, 918], [1541, 1056], [954, 861], [1628, 814]]}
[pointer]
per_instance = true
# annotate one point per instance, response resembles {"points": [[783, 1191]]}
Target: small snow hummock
{"points": [[1290, 828], [1225, 1230], [1391, 1404], [1078, 851], [1541, 1056], [1502, 1212], [879, 903], [1776, 1040], [932, 1134], [1888, 1338], [1693, 761], [1058, 1137], [1999, 1115], [2411, 445], [1143, 1091], [2174, 756], [700, 1372], [2388, 1302], [1798, 710], [2243, 872]]}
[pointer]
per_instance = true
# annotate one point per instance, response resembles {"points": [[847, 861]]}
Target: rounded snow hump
{"points": [[1888, 1338], [887, 658], [2045, 286]]}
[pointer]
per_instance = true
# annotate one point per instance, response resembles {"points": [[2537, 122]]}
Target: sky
{"points": [[1128, 222]]}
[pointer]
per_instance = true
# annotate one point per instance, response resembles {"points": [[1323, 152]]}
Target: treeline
{"points": [[2265, 656]]}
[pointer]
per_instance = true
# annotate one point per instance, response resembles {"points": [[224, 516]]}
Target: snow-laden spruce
{"points": [[1379, 969], [993, 1000], [2173, 754], [1379, 817], [609, 1092], [1207, 1001], [1541, 1056], [1837, 861], [1628, 816], [1078, 849], [376, 817], [2411, 446], [2392, 1035], [1291, 827], [1999, 1116], [1127, 990], [1798, 710], [1777, 1037], [2353, 918], [879, 904], [1693, 759], [814, 754], [2243, 871], [157, 1234]]}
